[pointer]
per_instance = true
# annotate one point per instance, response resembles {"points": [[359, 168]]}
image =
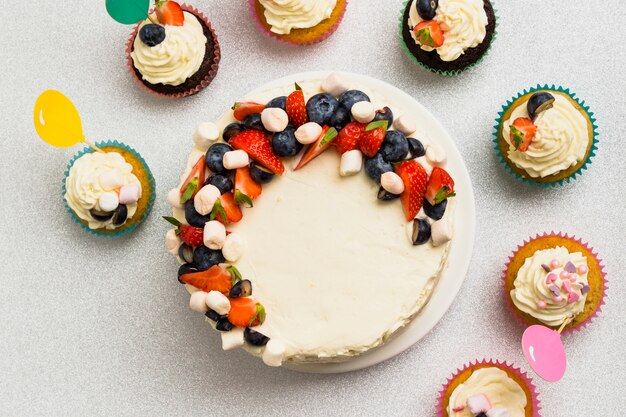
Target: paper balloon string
{"points": [[545, 352], [128, 12]]}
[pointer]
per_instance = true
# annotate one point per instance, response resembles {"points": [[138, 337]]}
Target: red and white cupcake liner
{"points": [[202, 84], [566, 330], [272, 35], [536, 403]]}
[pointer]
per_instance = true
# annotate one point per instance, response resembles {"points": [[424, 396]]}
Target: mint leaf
{"points": [[425, 38], [329, 136], [377, 124], [218, 210], [172, 220], [517, 136], [260, 314], [190, 190], [235, 275], [241, 198]]}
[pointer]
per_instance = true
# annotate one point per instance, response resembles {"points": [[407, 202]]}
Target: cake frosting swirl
{"points": [[285, 15], [177, 58]]}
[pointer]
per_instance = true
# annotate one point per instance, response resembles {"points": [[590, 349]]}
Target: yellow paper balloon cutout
{"points": [[57, 121]]}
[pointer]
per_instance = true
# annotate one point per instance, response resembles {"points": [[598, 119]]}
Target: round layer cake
{"points": [[331, 263]]}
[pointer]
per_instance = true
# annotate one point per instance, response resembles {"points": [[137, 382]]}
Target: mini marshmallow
{"points": [[363, 111], [435, 155], [197, 302], [274, 352], [308, 133], [111, 179], [108, 201], [498, 412], [205, 199], [233, 247], [424, 163], [205, 135], [218, 302], [334, 84], [173, 198], [351, 163], [214, 235], [405, 124], [440, 232], [392, 182], [274, 119], [129, 194], [236, 159], [172, 242], [478, 404], [232, 339]]}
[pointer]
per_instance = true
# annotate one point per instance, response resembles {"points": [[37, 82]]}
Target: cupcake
{"points": [[447, 36], [545, 136], [554, 280], [108, 192], [174, 53], [488, 389], [299, 22]]}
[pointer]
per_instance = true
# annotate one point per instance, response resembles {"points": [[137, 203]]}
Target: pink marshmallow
{"points": [[478, 404], [129, 194], [541, 304], [582, 270]]}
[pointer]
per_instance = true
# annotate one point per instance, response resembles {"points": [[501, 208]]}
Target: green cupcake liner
{"points": [[560, 182], [151, 181], [441, 72]]}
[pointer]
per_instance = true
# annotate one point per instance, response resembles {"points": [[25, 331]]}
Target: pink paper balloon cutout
{"points": [[544, 352]]}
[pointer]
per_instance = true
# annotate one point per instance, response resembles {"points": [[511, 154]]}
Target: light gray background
{"points": [[92, 326]]}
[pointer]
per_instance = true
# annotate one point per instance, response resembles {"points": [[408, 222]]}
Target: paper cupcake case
{"points": [[151, 182], [580, 170], [568, 329], [275, 36], [510, 369], [217, 54], [441, 72]]}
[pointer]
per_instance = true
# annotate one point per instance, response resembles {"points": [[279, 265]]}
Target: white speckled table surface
{"points": [[91, 326]]}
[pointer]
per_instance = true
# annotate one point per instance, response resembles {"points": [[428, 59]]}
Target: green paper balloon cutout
{"points": [[128, 12]]}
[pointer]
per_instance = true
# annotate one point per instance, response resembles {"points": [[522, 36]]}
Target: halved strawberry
{"points": [[215, 278], [226, 210], [246, 189], [194, 181], [349, 136], [169, 13], [258, 146], [522, 133], [440, 186], [245, 312], [296, 108], [429, 33], [316, 148], [242, 109], [414, 178], [193, 236], [373, 137]]}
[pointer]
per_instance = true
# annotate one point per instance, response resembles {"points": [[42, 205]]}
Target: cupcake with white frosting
{"points": [[545, 136]]}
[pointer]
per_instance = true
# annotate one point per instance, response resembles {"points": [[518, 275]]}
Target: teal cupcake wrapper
{"points": [[441, 72], [151, 181], [560, 182]]}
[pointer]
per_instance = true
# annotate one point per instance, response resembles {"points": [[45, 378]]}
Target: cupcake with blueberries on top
{"points": [[174, 53]]}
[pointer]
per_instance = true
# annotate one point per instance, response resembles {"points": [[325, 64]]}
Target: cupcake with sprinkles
{"points": [[555, 280], [447, 36], [545, 136], [488, 389]]}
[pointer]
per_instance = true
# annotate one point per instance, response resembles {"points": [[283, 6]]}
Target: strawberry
{"points": [[373, 137], [215, 278], [194, 181], [169, 13], [245, 312], [414, 178], [296, 108], [226, 210], [257, 144], [349, 136], [246, 189], [193, 236], [242, 109], [429, 33], [522, 133], [316, 148], [440, 186]]}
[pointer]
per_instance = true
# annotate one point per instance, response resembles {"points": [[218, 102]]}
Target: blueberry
{"points": [[231, 130], [187, 268], [241, 288], [384, 195], [223, 325], [421, 232], [377, 166], [253, 121], [221, 181], [260, 174], [152, 34], [204, 258], [321, 108], [215, 155], [435, 212], [120, 215], [539, 102], [340, 118], [185, 252], [395, 147], [416, 148], [101, 216], [426, 9], [350, 97], [384, 114], [213, 315], [285, 144], [278, 102], [193, 217], [255, 338]]}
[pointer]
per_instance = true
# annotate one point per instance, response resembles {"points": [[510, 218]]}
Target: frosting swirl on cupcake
{"points": [[552, 285], [285, 15], [175, 59], [561, 140]]}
